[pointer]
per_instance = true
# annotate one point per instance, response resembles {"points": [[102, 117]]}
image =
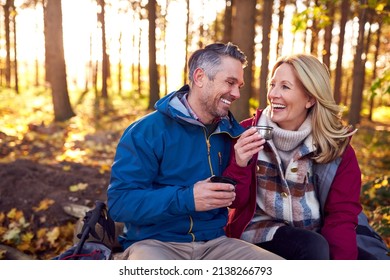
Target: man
{"points": [[160, 182]]}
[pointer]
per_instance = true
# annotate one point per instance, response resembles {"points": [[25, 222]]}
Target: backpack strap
{"points": [[98, 215]]}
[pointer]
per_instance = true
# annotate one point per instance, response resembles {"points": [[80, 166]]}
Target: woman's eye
{"points": [[285, 87]]}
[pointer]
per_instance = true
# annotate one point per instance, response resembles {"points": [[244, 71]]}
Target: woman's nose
{"points": [[272, 93]]}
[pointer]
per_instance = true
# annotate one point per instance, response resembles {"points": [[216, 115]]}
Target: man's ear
{"points": [[199, 76]]}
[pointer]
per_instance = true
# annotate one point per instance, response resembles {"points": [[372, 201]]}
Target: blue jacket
{"points": [[158, 160]]}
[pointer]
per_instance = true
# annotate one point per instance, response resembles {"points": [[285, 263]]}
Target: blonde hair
{"points": [[330, 135]]}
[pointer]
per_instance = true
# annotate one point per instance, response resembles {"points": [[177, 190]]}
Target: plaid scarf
{"points": [[285, 196]]}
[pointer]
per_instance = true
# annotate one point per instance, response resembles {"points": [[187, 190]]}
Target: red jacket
{"points": [[340, 211]]}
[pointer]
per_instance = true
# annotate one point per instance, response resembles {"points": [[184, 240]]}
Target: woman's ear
{"points": [[310, 102]]}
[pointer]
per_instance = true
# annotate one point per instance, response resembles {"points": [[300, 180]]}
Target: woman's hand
{"points": [[249, 143]]}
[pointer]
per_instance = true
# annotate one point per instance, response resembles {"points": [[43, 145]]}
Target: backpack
{"points": [[366, 237], [96, 247]]}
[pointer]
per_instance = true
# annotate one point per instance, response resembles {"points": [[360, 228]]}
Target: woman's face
{"points": [[288, 99]]}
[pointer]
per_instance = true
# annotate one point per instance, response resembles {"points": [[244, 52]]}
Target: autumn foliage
{"points": [[90, 139]]}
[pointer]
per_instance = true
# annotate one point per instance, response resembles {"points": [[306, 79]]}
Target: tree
{"points": [[105, 58], [330, 10], [282, 6], [164, 28], [16, 75], [339, 64], [137, 17], [227, 21], [244, 35], [153, 71], [55, 61], [9, 9], [358, 69], [314, 28], [374, 74], [265, 50], [186, 40]]}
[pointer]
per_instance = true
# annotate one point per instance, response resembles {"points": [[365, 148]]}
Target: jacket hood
{"points": [[172, 106]]}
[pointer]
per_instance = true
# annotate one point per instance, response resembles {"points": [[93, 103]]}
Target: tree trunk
{"points": [[358, 70], [227, 21], [36, 60], [279, 46], [120, 66], [267, 23], [16, 74], [186, 42], [105, 59], [244, 35], [328, 34], [165, 69], [55, 61], [200, 23], [7, 15], [314, 33], [153, 71], [139, 79], [339, 64], [377, 45]]}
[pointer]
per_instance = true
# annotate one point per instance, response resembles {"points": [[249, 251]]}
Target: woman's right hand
{"points": [[249, 143]]}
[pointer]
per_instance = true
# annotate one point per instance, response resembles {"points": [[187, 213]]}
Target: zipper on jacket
{"points": [[220, 162], [208, 150], [208, 146], [190, 230]]}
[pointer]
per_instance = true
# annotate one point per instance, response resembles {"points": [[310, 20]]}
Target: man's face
{"points": [[218, 94]]}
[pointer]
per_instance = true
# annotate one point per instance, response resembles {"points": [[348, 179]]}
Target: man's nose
{"points": [[236, 92]]}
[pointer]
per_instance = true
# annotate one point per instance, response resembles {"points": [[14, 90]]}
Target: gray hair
{"points": [[209, 58]]}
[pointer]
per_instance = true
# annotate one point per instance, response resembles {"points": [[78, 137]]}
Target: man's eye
{"points": [[230, 83]]}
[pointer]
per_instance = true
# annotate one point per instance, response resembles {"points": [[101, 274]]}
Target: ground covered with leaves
{"points": [[34, 199], [47, 167]]}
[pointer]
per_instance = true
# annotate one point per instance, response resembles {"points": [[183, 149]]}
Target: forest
{"points": [[75, 73]]}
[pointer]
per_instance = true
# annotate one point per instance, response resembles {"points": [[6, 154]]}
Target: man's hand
{"points": [[208, 195], [249, 143]]}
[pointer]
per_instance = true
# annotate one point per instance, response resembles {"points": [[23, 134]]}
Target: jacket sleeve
{"points": [[243, 175], [342, 208], [132, 195]]}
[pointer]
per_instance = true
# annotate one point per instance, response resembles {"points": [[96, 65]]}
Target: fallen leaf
{"points": [[23, 246], [66, 168], [104, 168], [3, 254], [27, 237], [41, 232], [15, 214], [3, 230], [44, 205], [12, 235], [53, 235], [78, 187]]}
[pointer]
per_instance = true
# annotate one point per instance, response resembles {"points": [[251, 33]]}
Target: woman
{"points": [[276, 205]]}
